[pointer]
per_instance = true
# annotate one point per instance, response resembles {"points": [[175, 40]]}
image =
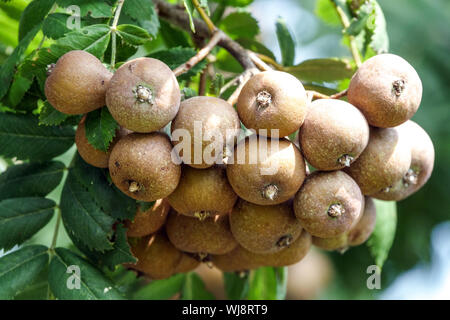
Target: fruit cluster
{"points": [[264, 208]]}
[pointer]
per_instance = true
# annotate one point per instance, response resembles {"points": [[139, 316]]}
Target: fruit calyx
{"points": [[336, 210], [410, 177], [398, 86], [270, 192], [143, 94], [50, 68], [263, 99], [284, 241], [133, 186], [202, 215], [345, 160]]}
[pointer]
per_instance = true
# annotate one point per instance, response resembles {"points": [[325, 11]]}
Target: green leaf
{"points": [[190, 11], [174, 57], [173, 37], [93, 8], [19, 87], [33, 15], [188, 93], [143, 13], [20, 218], [194, 288], [161, 289], [49, 116], [286, 42], [236, 286], [281, 274], [22, 137], [55, 25], [255, 46], [359, 22], [93, 284], [268, 283], [235, 3], [327, 12], [322, 70], [380, 242], [380, 38], [132, 34], [217, 84], [30, 179], [321, 89], [240, 25], [20, 268], [100, 128]]}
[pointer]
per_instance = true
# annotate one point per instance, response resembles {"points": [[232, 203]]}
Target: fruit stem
{"points": [[114, 30], [246, 75], [336, 210], [270, 192]]}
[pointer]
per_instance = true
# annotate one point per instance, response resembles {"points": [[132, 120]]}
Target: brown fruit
{"points": [[385, 161], [203, 192], [264, 229], [143, 95], [328, 203], [240, 259], [266, 172], [92, 156], [77, 83], [422, 163], [209, 236], [149, 221], [141, 166], [387, 90], [187, 263], [202, 119], [333, 135], [273, 100], [338, 243], [364, 228]]}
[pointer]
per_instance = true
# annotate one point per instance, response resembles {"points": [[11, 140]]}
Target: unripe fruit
{"points": [[387, 90], [264, 229], [216, 121], [203, 192], [240, 259], [422, 163], [209, 236], [328, 203], [364, 228], [77, 83], [92, 156], [333, 135], [385, 161], [141, 166], [266, 172], [273, 100], [149, 221], [143, 95]]}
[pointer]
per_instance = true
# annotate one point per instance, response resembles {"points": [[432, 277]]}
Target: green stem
{"points": [[114, 31], [353, 47], [212, 28]]}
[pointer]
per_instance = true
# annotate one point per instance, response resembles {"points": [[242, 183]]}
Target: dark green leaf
{"points": [[93, 8], [22, 137], [100, 128], [49, 116], [380, 242], [20, 218], [93, 284], [194, 288], [55, 25], [18, 269], [286, 42], [19, 87], [143, 13], [321, 70], [240, 25], [173, 37], [236, 285], [161, 289], [33, 15], [144, 206], [30, 179], [133, 35]]}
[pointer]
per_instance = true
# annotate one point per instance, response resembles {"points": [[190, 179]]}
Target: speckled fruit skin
{"points": [[211, 235], [247, 179], [143, 116], [260, 229], [364, 228], [241, 259], [287, 110], [150, 221], [95, 157], [372, 90], [145, 159], [385, 161], [332, 129], [318, 193], [187, 263], [214, 115], [331, 244], [77, 83], [204, 191]]}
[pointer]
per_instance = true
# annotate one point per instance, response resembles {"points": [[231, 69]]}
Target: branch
{"points": [[317, 95]]}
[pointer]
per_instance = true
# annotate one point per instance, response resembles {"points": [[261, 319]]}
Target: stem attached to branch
{"points": [[114, 31]]}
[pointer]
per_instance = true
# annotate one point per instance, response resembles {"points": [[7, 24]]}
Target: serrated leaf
{"points": [[194, 288], [93, 8], [240, 25], [161, 289], [236, 286], [174, 57], [22, 137], [133, 35], [49, 116], [286, 42], [55, 25], [380, 39], [143, 13], [20, 218], [382, 238], [322, 70], [33, 15], [19, 87], [190, 11], [217, 83], [188, 93], [20, 268], [100, 128], [30, 179], [359, 22], [93, 284]]}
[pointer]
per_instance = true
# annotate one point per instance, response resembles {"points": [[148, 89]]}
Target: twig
{"points": [[339, 94], [353, 47], [212, 28], [245, 76], [260, 64], [317, 95], [114, 31], [270, 61]]}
